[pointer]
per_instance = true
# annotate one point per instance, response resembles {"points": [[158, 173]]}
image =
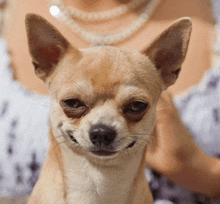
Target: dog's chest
{"points": [[92, 186], [86, 184]]}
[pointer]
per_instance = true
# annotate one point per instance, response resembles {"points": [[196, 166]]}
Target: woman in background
{"points": [[24, 104]]}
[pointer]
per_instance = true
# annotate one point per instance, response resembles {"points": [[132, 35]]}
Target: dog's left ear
{"points": [[169, 49], [46, 45]]}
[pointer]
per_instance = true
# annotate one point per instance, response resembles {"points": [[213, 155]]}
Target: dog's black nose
{"points": [[102, 135]]}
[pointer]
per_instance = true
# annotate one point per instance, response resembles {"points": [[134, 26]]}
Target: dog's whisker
{"points": [[60, 143]]}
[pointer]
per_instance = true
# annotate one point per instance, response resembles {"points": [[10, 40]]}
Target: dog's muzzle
{"points": [[102, 137]]}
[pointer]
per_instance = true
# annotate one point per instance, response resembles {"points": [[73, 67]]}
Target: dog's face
{"points": [[104, 98], [103, 104]]}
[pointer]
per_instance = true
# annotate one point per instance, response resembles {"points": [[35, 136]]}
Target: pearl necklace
{"points": [[63, 14], [99, 16]]}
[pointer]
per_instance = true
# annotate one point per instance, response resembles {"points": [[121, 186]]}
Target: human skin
{"points": [[173, 152]]}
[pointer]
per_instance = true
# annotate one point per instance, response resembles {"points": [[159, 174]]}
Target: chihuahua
{"points": [[103, 110]]}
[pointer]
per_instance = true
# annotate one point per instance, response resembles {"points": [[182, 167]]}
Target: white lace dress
{"points": [[24, 118]]}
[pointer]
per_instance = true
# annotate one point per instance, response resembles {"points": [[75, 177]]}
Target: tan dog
{"points": [[103, 111]]}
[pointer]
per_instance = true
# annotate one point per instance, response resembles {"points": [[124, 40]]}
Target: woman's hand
{"points": [[170, 138], [172, 152]]}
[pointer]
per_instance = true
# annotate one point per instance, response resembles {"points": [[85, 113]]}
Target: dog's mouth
{"points": [[104, 152], [73, 138], [131, 145]]}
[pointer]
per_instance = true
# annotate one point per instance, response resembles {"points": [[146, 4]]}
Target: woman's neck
{"points": [[95, 5]]}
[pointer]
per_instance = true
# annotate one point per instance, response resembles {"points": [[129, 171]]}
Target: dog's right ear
{"points": [[46, 45]]}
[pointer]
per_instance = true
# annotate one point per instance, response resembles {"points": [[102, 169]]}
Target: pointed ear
{"points": [[46, 45], [169, 49]]}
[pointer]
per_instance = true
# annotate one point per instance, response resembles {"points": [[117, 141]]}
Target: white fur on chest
{"points": [[87, 184]]}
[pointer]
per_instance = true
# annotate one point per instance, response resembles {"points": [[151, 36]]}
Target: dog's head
{"points": [[104, 98]]}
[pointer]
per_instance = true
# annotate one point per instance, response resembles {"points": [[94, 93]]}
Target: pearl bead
{"points": [[55, 11]]}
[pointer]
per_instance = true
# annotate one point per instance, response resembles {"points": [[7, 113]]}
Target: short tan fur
{"points": [[103, 110]]}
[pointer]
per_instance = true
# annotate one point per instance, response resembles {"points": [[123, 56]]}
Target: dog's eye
{"points": [[73, 103], [136, 107], [74, 108]]}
